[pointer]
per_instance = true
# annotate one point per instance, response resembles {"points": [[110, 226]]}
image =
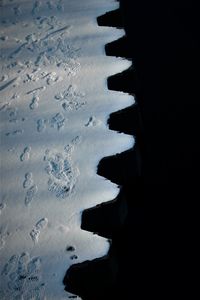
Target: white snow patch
{"points": [[54, 107]]}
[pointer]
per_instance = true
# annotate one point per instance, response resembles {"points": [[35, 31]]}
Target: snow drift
{"points": [[54, 110]]}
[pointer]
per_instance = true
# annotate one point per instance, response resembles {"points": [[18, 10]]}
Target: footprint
{"points": [[72, 66], [70, 97], [34, 266], [41, 125], [30, 194], [16, 287], [36, 7], [69, 149], [58, 121], [58, 167], [40, 225], [61, 190], [47, 23], [28, 180], [32, 76], [10, 265], [77, 140], [62, 174], [73, 105], [91, 122], [22, 264], [73, 257], [59, 96], [12, 114], [52, 78], [35, 102], [26, 154], [70, 248], [34, 235], [23, 278]]}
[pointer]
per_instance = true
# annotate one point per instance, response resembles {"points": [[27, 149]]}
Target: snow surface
{"points": [[53, 120]]}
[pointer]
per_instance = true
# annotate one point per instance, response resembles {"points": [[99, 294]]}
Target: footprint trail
{"points": [[54, 109]]}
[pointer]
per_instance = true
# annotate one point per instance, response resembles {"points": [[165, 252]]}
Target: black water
{"points": [[150, 222]]}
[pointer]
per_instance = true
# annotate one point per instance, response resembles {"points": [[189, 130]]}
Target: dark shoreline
{"points": [[149, 221]]}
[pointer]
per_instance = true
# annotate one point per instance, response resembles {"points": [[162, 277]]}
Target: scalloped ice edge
{"points": [[88, 246], [126, 141], [116, 65]]}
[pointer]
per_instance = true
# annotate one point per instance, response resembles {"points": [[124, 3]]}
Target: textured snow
{"points": [[54, 106]]}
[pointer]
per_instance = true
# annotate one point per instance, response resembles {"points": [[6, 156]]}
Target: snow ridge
{"points": [[54, 110]]}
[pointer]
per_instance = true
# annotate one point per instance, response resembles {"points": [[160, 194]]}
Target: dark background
{"points": [[152, 253], [163, 40]]}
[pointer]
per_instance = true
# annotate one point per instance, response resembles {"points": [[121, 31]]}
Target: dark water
{"points": [[150, 221]]}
